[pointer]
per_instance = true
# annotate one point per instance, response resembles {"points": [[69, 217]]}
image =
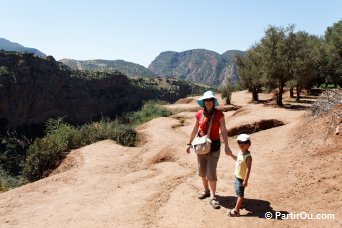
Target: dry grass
{"points": [[165, 155], [227, 108], [241, 111], [186, 100], [180, 124]]}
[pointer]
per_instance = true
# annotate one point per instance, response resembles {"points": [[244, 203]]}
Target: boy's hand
{"points": [[245, 183]]}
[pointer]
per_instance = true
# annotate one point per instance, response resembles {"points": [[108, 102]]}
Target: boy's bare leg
{"points": [[238, 203]]}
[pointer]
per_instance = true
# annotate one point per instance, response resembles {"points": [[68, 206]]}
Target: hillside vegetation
{"points": [[33, 160]]}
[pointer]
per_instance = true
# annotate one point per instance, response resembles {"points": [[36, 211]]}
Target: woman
{"points": [[207, 163]]}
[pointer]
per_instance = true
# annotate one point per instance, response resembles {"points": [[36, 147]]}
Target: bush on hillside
{"points": [[13, 149], [149, 111], [226, 92], [46, 153], [7, 181]]}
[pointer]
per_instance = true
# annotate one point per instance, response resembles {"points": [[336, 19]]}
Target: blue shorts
{"points": [[239, 189]]}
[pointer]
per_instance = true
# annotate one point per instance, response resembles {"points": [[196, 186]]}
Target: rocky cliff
{"points": [[33, 89]]}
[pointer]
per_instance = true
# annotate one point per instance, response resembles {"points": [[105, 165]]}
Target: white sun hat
{"points": [[243, 138], [207, 95]]}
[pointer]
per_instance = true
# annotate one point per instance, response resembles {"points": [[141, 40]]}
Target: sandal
{"points": [[214, 203], [233, 213], [203, 194]]}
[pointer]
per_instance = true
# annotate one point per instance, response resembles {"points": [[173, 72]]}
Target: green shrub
{"points": [[12, 151], [125, 135], [7, 181], [149, 111], [46, 153], [226, 92]]}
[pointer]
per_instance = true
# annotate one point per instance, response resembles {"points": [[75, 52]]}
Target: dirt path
{"points": [[155, 184]]}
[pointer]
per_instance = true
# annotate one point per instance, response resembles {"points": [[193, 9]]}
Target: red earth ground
{"points": [[296, 174]]}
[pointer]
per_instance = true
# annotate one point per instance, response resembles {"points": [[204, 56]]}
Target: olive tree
{"points": [[250, 71], [333, 42]]}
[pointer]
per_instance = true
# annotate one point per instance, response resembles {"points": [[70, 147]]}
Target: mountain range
{"points": [[197, 65], [7, 45], [128, 68]]}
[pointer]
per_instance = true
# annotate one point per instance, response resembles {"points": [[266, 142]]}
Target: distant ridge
{"points": [[7, 45], [128, 68], [198, 65]]}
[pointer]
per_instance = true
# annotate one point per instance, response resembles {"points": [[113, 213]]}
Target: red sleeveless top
{"points": [[204, 124]]}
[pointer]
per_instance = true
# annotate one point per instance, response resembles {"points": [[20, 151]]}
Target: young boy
{"points": [[242, 171]]}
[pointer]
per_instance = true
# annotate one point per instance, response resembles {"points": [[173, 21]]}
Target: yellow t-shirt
{"points": [[241, 165]]}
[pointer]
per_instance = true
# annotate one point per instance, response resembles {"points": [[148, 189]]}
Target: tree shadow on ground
{"points": [[291, 105], [302, 101], [260, 101], [255, 207], [296, 107]]}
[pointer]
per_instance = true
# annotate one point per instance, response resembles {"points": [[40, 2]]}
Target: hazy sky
{"points": [[138, 30]]}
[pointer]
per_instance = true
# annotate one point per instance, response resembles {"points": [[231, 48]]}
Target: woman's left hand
{"points": [[228, 151]]}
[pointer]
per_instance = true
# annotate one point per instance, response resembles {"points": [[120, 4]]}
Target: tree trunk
{"points": [[291, 92], [255, 94], [280, 93], [298, 93]]}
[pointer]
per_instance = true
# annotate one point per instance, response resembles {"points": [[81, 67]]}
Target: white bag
{"points": [[202, 145]]}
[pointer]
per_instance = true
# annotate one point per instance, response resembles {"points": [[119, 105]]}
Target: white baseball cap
{"points": [[243, 138]]}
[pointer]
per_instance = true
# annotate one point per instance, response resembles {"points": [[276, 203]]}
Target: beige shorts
{"points": [[207, 164]]}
